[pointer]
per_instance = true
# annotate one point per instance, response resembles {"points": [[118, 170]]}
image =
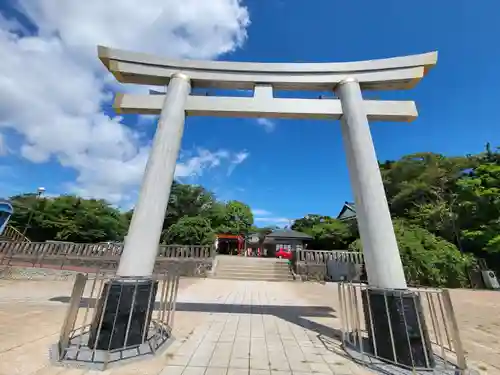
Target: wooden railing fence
{"points": [[323, 256], [15, 235], [61, 253]]}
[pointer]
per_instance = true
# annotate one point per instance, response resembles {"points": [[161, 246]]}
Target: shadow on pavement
{"points": [[294, 314]]}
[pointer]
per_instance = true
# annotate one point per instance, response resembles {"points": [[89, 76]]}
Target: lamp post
{"points": [[39, 193]]}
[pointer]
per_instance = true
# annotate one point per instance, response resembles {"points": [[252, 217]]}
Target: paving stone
{"points": [[190, 370], [302, 373], [261, 363], [322, 368], [299, 366], [237, 371], [279, 364], [227, 337], [221, 355], [239, 363], [216, 371], [172, 370], [259, 372], [179, 360], [315, 358], [274, 372], [200, 361]]}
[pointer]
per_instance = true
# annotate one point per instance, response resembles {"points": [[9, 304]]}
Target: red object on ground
{"points": [[284, 253]]}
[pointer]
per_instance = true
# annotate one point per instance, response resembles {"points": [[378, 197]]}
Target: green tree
{"points": [[190, 231], [479, 208], [305, 223], [233, 217], [427, 259], [418, 180], [68, 218], [331, 235], [188, 200], [264, 231], [328, 233]]}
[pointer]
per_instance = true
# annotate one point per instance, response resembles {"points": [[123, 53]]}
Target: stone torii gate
{"points": [[347, 80]]}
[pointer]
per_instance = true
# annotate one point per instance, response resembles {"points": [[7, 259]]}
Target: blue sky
{"points": [[296, 167]]}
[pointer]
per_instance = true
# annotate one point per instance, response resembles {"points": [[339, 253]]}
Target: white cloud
{"points": [[103, 179], [273, 220], [258, 211], [267, 124], [238, 158], [52, 85], [4, 150], [264, 217]]}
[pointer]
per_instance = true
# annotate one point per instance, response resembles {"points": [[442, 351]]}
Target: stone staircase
{"points": [[249, 268]]}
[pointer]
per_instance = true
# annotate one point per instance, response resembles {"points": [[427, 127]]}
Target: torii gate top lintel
{"points": [[263, 78], [381, 74]]}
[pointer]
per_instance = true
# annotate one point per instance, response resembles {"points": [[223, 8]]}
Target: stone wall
{"points": [[195, 268], [332, 270]]}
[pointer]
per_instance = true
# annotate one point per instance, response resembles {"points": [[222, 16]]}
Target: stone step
{"points": [[249, 276], [250, 264], [282, 271], [256, 272], [251, 261], [247, 267], [243, 268], [228, 259]]}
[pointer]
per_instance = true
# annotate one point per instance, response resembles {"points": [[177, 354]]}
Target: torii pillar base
{"points": [[396, 327], [123, 314]]}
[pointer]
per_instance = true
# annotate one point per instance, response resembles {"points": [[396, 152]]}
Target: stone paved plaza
{"points": [[225, 327]]}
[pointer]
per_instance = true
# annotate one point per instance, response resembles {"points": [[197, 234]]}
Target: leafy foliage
{"points": [[193, 216], [450, 207], [428, 259], [457, 198], [68, 218], [190, 231], [328, 233]]}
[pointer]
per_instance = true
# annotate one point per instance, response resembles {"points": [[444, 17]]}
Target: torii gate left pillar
{"points": [[149, 213]]}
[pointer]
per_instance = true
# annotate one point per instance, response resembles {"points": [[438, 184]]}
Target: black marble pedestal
{"points": [[128, 304], [411, 341]]}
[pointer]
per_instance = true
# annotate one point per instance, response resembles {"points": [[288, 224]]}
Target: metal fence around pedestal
{"points": [[429, 338], [100, 330]]}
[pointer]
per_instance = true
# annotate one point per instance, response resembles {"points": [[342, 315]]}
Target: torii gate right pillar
{"points": [[383, 262], [393, 313]]}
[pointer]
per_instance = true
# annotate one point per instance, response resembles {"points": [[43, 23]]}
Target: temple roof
{"points": [[285, 233], [348, 211]]}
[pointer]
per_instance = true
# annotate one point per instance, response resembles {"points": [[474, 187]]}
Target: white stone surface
{"points": [[383, 262], [254, 327], [141, 244]]}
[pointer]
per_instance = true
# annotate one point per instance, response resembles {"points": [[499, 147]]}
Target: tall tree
{"points": [[187, 200], [427, 259], [190, 231], [328, 233], [68, 218], [234, 217]]}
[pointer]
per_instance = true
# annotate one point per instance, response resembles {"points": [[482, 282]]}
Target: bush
{"points": [[190, 231], [428, 260]]}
